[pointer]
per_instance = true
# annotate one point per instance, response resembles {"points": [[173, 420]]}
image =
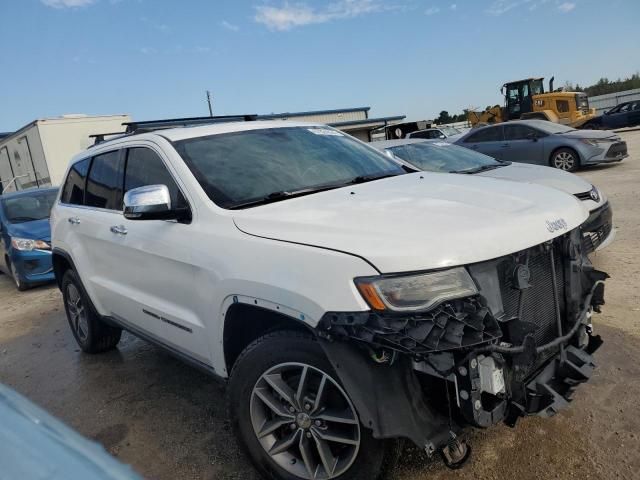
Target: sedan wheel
{"points": [[305, 421], [565, 160]]}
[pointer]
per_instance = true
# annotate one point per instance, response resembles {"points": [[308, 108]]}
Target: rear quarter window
{"points": [[73, 190]]}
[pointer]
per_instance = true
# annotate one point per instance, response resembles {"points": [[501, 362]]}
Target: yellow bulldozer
{"points": [[527, 100]]}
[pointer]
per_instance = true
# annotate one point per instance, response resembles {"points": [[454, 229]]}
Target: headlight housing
{"points": [[594, 194], [408, 293], [595, 142], [27, 244]]}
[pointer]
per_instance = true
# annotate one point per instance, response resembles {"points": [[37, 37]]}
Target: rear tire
{"points": [[288, 359], [565, 159], [90, 331]]}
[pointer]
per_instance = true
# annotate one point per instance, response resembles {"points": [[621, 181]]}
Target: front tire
{"points": [[294, 419], [565, 159], [90, 331]]}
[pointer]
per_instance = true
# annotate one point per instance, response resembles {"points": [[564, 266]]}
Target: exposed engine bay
{"points": [[519, 347]]}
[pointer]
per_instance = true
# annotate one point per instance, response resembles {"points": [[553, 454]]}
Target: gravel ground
{"points": [[168, 420]]}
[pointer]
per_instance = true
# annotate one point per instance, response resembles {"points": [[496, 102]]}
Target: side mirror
{"points": [[532, 136], [442, 136], [151, 202]]}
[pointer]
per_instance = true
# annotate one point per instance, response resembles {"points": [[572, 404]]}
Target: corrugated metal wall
{"points": [[330, 118], [610, 100]]}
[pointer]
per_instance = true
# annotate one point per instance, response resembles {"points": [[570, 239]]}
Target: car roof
{"points": [[28, 192]]}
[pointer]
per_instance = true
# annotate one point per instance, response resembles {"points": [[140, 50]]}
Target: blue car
{"points": [[25, 236]]}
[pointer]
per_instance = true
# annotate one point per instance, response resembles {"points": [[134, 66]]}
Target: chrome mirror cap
{"points": [[148, 202]]}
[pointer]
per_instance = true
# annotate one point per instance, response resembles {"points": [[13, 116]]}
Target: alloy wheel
{"points": [[305, 421], [77, 313], [564, 161]]}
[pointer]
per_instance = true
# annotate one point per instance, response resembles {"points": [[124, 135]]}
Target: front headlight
{"points": [[594, 194], [27, 245], [416, 292], [595, 142]]}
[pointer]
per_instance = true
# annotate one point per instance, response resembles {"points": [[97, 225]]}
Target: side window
{"points": [[624, 108], [145, 167], [420, 134], [490, 134], [73, 190], [518, 132], [104, 185], [562, 106]]}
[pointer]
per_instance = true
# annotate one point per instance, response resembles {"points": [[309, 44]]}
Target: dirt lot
{"points": [[168, 420]]}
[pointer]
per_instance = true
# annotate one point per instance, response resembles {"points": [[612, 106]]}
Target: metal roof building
{"points": [[354, 121]]}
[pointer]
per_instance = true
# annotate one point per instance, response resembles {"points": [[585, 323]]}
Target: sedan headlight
{"points": [[594, 194], [27, 245], [416, 292], [595, 142]]}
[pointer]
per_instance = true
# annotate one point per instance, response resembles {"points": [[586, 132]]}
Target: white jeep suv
{"points": [[346, 302]]}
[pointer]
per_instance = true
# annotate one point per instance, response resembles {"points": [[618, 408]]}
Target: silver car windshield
{"points": [[251, 167], [444, 158]]}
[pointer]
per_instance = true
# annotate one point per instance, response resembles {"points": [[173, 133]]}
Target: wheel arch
{"points": [[62, 262], [245, 322], [564, 147]]}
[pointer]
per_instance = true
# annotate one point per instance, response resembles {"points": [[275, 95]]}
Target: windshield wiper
{"points": [[370, 178], [483, 168], [282, 195]]}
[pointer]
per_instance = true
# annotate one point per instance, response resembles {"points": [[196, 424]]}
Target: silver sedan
{"points": [[545, 143]]}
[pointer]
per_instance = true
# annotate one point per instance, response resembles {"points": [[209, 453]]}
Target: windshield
{"points": [[244, 167], [28, 208], [443, 157], [450, 131], [551, 127]]}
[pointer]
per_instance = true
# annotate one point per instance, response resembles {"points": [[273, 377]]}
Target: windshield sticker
{"points": [[325, 131], [441, 144]]}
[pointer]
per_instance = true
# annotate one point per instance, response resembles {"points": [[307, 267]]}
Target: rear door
{"points": [[522, 144], [488, 140]]}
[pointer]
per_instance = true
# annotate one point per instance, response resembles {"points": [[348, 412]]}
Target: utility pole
{"points": [[209, 103]]}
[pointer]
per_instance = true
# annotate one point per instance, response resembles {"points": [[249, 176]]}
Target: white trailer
{"points": [[37, 155]]}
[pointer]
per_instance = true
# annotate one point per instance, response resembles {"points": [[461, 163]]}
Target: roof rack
{"points": [[100, 137], [149, 125]]}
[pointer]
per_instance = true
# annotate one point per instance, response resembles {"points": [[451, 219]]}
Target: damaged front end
{"points": [[519, 345]]}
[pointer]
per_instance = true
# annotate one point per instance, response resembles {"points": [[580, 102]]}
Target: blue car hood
{"points": [[36, 230]]}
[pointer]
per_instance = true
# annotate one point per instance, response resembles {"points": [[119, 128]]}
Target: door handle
{"points": [[74, 220], [118, 229]]}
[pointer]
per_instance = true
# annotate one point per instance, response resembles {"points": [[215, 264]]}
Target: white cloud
{"points": [[67, 3], [566, 7], [431, 11], [289, 16], [498, 7], [229, 26], [147, 50], [454, 6]]}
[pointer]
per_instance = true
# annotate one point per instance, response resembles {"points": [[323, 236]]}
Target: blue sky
{"points": [[156, 58]]}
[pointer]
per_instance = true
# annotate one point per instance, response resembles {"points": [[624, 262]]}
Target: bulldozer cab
{"points": [[518, 96]]}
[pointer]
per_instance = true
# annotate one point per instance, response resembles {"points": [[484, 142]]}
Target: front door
{"points": [[157, 268]]}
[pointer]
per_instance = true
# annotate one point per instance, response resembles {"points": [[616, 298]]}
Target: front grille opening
{"points": [[535, 304]]}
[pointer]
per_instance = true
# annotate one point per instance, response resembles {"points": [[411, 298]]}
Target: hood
{"points": [[547, 176], [36, 230], [595, 134], [420, 221]]}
